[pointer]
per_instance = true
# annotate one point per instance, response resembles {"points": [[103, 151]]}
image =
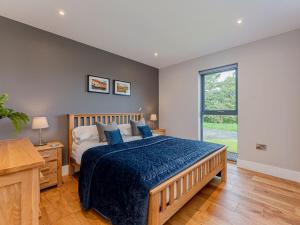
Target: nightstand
{"points": [[160, 131], [51, 173]]}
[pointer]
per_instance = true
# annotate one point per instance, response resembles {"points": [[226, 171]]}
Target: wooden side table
{"points": [[160, 131], [51, 173]]}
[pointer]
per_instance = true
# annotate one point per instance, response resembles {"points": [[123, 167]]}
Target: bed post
{"points": [[224, 170], [71, 126], [153, 211]]}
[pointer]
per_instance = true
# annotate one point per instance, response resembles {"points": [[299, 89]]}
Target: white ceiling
{"points": [[177, 29]]}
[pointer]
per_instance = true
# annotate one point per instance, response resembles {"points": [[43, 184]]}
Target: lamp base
{"points": [[41, 144]]}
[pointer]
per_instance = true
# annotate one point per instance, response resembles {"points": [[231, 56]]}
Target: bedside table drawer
{"points": [[51, 173], [49, 168], [48, 180], [159, 131], [49, 155]]}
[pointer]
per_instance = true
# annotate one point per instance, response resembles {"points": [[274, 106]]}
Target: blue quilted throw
{"points": [[115, 180]]}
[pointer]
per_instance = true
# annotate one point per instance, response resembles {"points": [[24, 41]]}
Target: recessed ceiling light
{"points": [[62, 13], [239, 21], [155, 54]]}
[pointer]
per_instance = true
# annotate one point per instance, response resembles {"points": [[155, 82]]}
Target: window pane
{"points": [[220, 91], [222, 130]]}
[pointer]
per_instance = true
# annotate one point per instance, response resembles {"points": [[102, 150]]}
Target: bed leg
{"points": [[71, 169], [153, 212], [224, 170]]}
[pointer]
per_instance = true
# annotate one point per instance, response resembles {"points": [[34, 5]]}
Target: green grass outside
{"points": [[230, 143], [221, 126]]}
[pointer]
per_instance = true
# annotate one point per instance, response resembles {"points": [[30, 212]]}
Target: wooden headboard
{"points": [[77, 120]]}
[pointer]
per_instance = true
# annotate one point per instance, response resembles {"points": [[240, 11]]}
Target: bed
{"points": [[169, 195]]}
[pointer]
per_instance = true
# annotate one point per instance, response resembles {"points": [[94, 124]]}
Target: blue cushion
{"points": [[113, 137], [145, 131]]}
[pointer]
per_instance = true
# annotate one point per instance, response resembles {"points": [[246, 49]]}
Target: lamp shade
{"points": [[39, 123], [153, 117]]}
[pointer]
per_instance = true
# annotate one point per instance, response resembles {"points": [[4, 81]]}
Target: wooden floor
{"points": [[247, 198]]}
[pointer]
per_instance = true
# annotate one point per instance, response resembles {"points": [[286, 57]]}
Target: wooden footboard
{"points": [[167, 198]]}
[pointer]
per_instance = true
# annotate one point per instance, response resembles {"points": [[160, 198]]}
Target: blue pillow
{"points": [[113, 137], [145, 131]]}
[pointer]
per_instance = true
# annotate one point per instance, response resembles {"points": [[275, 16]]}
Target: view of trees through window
{"points": [[220, 96], [220, 91]]}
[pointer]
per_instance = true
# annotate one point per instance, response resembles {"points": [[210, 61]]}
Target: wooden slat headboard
{"points": [[77, 120]]}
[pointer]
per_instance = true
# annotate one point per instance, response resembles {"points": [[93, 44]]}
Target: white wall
{"points": [[269, 98]]}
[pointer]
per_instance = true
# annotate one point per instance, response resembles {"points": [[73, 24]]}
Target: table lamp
{"points": [[39, 123], [153, 118]]}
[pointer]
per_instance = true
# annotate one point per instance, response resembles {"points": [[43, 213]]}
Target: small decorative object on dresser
{"points": [[160, 131], [51, 173], [39, 123], [98, 84], [122, 88]]}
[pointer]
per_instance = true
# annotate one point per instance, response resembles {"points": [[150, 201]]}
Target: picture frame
{"points": [[97, 84], [122, 88]]}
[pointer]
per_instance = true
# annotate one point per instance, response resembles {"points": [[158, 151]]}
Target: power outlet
{"points": [[261, 147]]}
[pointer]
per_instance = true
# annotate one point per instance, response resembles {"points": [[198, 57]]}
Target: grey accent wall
{"points": [[45, 75]]}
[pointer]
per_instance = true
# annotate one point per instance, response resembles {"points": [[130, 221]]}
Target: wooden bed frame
{"points": [[186, 184]]}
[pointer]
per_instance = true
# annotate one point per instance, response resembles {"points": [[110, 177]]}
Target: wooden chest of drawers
{"points": [[19, 182], [51, 173]]}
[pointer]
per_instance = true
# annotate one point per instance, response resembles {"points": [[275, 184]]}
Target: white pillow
{"points": [[84, 133], [125, 129]]}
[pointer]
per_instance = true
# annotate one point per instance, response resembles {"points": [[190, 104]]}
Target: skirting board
{"points": [[65, 170], [270, 170]]}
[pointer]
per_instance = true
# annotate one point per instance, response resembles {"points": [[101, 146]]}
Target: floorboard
{"points": [[248, 198]]}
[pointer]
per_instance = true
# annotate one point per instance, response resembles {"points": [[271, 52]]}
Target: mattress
{"points": [[79, 149]]}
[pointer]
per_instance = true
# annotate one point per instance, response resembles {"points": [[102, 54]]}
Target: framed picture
{"points": [[98, 84], [122, 88]]}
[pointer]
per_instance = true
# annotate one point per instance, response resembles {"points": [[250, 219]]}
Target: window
{"points": [[219, 106]]}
